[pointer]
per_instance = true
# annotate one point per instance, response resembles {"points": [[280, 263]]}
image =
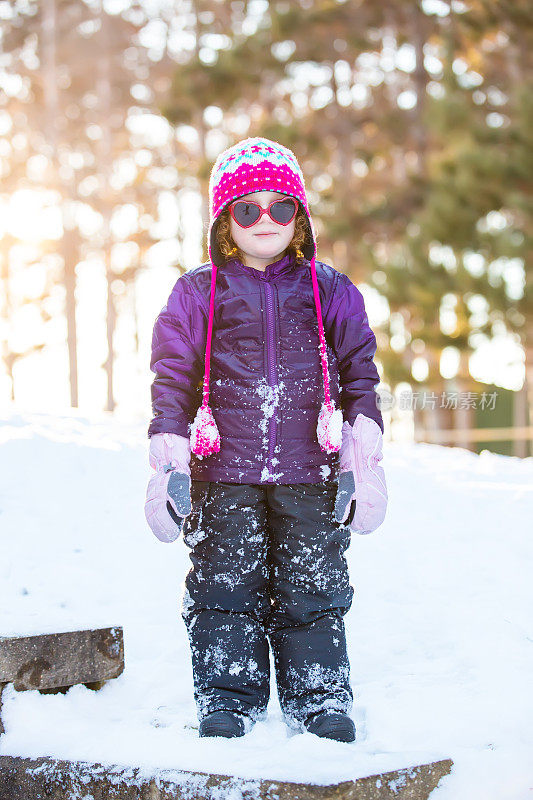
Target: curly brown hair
{"points": [[229, 249]]}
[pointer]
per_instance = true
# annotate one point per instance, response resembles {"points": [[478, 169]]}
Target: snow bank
{"points": [[440, 633]]}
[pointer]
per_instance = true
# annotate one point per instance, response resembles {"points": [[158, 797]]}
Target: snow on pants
{"points": [[268, 565]]}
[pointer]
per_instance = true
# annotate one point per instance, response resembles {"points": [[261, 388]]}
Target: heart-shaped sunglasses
{"points": [[247, 212]]}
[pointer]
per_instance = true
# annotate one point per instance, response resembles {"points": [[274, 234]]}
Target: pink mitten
{"points": [[360, 477], [168, 497]]}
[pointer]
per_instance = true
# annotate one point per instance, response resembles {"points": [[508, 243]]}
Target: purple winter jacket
{"points": [[266, 385]]}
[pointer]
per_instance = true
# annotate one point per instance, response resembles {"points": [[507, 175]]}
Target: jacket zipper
{"points": [[272, 378]]}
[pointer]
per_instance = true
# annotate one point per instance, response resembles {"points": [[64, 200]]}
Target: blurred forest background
{"points": [[413, 124]]}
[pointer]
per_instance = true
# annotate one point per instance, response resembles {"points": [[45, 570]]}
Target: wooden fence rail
{"points": [[473, 435]]}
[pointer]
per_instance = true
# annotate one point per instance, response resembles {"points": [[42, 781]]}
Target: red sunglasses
{"points": [[247, 212]]}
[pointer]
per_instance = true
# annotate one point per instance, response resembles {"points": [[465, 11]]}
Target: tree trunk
{"points": [[67, 242], [420, 80], [520, 420], [432, 410], [201, 130], [7, 357], [70, 252], [104, 95], [528, 381], [462, 415]]}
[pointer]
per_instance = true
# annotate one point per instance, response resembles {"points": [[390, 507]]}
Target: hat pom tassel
{"points": [[205, 438], [329, 427]]}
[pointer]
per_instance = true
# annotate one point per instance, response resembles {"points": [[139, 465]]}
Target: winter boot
{"points": [[331, 725], [222, 723]]}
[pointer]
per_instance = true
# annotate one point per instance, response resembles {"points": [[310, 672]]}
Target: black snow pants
{"points": [[268, 565]]}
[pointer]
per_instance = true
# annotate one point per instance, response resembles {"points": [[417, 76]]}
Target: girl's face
{"points": [[266, 240]]}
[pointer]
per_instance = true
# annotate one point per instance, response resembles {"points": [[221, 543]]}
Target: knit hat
{"points": [[254, 165]]}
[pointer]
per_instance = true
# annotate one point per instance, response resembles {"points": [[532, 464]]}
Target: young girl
{"points": [[271, 462]]}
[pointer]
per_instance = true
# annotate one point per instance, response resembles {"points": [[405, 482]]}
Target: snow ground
{"points": [[440, 632]]}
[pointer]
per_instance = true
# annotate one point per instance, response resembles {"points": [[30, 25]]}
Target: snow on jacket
{"points": [[266, 382]]}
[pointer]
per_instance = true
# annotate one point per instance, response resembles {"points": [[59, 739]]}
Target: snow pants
{"points": [[268, 565]]}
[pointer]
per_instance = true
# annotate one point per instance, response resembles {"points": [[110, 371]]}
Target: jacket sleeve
{"points": [[178, 351], [349, 334]]}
